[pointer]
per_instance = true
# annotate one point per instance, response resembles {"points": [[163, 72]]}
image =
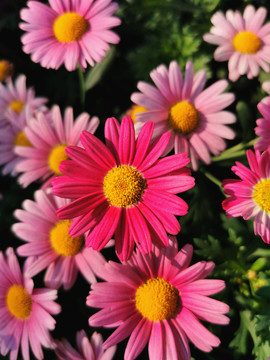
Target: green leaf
{"points": [[239, 343]]}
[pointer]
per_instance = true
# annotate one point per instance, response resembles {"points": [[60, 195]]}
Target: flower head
{"points": [[241, 39], [123, 188], [25, 311], [68, 32], [263, 125], [193, 116], [157, 298], [49, 135], [6, 70], [250, 196]]}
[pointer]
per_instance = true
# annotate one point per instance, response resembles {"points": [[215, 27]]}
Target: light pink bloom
{"points": [[69, 32], [88, 350], [49, 135], [157, 298], [24, 311], [49, 243], [194, 117], [249, 197], [263, 125], [123, 188], [243, 40], [266, 87]]}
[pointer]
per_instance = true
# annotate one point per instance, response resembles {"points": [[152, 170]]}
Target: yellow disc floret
{"points": [[5, 70], [56, 156], [70, 27], [16, 106], [183, 117], [136, 109], [123, 186], [19, 302], [246, 42], [62, 242], [261, 194], [156, 299], [21, 140]]}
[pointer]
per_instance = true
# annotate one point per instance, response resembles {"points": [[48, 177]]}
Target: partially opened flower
{"points": [[250, 196], [241, 39], [70, 32], [49, 135], [263, 125], [157, 298], [24, 310], [123, 188], [49, 243], [193, 116], [87, 350]]}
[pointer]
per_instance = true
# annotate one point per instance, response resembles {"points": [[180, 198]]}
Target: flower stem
{"points": [[214, 180]]}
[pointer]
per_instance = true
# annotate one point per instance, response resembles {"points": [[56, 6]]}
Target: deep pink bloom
{"points": [[24, 311], [157, 298], [88, 350], [123, 189], [263, 124], [193, 115], [69, 32], [250, 196], [241, 39], [49, 243]]}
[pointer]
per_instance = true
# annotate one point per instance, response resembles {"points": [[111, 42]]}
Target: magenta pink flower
{"points": [[69, 32], [49, 135], [49, 243], [250, 196], [243, 40], [158, 299], [263, 125], [88, 350], [24, 311], [194, 117], [123, 189]]}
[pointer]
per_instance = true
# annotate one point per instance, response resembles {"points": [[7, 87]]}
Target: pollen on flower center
{"points": [[56, 156], [19, 302], [70, 27], [21, 140], [261, 194], [5, 70], [156, 299], [16, 106], [135, 110], [183, 117], [62, 242], [123, 186], [246, 42]]}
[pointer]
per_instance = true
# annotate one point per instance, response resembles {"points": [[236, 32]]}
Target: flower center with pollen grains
{"points": [[56, 156], [156, 299], [62, 242], [246, 42], [261, 194], [21, 140], [123, 186], [70, 27], [183, 117], [16, 106], [19, 302], [136, 109]]}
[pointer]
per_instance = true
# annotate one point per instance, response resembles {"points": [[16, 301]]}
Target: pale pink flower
{"points": [[69, 32], [266, 86], [24, 310], [241, 39], [263, 125], [157, 299]]}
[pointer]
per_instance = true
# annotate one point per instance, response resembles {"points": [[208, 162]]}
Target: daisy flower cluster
{"points": [[142, 231]]}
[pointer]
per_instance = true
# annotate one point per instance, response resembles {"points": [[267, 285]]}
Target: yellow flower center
{"points": [[261, 194], [56, 156], [246, 42], [19, 302], [135, 110], [183, 117], [123, 186], [62, 242], [21, 140], [70, 27], [16, 106], [156, 299], [5, 70]]}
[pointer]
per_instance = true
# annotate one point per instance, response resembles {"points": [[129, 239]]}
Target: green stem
{"points": [[226, 156], [214, 180], [82, 87]]}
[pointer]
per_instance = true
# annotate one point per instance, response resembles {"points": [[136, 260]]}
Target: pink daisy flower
{"points": [[123, 189], [49, 135], [158, 299], [250, 196], [88, 350], [243, 40], [193, 116], [69, 32], [52, 248], [24, 311], [263, 125]]}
